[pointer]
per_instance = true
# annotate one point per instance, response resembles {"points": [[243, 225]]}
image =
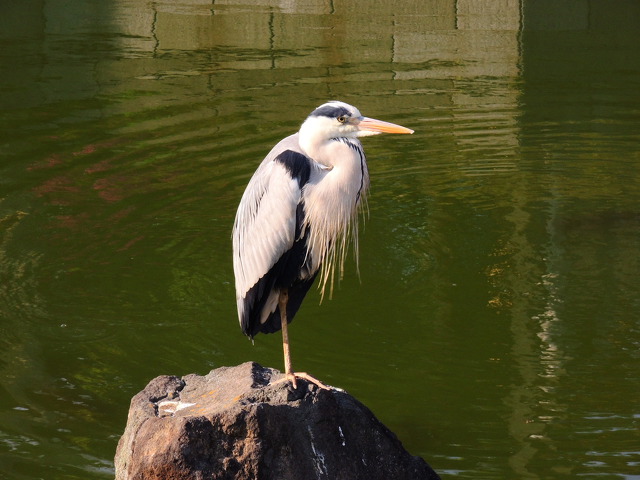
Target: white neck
{"points": [[317, 139]]}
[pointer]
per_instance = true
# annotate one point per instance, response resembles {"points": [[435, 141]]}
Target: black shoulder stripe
{"points": [[296, 164]]}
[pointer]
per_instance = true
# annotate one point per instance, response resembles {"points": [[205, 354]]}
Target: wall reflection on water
{"points": [[509, 222]]}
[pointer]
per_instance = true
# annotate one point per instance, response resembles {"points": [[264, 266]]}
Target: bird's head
{"points": [[338, 120]]}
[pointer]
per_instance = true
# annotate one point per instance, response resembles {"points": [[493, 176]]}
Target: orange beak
{"points": [[378, 126]]}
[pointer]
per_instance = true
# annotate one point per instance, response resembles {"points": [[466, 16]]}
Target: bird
{"points": [[297, 217]]}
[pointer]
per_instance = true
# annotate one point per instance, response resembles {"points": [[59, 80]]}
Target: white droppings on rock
{"points": [[318, 460], [169, 407], [344, 442]]}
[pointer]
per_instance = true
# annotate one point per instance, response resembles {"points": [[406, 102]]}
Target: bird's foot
{"points": [[303, 376]]}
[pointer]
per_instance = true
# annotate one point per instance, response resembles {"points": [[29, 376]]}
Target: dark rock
{"points": [[232, 424]]}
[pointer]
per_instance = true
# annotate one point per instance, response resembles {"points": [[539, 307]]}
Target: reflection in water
{"points": [[498, 302]]}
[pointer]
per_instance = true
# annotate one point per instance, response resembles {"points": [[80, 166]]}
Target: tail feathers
{"points": [[256, 300]]}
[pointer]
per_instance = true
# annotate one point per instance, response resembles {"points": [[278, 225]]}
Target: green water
{"points": [[495, 326]]}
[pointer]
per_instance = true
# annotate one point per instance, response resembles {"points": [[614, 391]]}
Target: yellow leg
{"points": [[288, 371], [282, 304]]}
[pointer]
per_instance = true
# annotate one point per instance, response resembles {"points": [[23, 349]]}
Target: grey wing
{"points": [[265, 225]]}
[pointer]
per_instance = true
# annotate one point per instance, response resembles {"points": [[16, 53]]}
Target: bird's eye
{"points": [[342, 118]]}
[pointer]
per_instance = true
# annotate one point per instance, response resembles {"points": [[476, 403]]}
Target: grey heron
{"points": [[297, 217]]}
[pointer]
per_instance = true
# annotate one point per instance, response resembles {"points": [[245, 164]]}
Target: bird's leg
{"points": [[282, 304], [288, 371]]}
